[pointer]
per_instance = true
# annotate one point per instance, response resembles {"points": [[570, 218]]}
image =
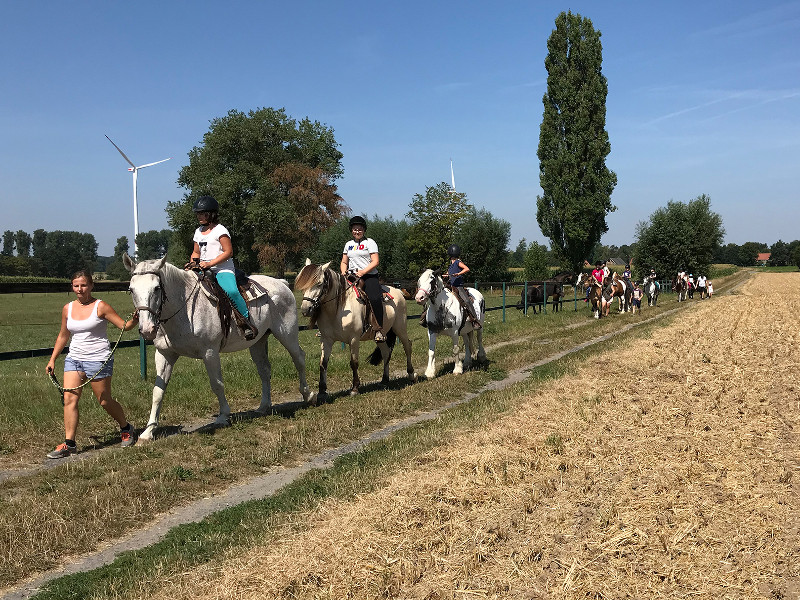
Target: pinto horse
{"points": [[679, 287], [651, 289], [617, 288], [181, 319], [334, 306], [444, 315]]}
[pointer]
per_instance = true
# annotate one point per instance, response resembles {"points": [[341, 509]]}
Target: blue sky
{"points": [[704, 98]]}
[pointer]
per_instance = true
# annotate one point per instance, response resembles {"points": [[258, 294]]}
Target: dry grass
{"points": [[666, 468]]}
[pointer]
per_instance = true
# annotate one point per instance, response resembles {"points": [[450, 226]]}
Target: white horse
{"points": [[444, 315], [181, 319], [333, 306]]}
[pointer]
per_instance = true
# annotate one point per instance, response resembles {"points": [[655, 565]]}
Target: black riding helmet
{"points": [[454, 251], [358, 220], [205, 204]]}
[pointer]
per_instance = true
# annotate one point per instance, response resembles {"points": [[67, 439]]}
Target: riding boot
{"points": [[245, 325]]}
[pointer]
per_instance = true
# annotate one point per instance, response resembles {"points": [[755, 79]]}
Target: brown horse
{"points": [[679, 287], [595, 292]]}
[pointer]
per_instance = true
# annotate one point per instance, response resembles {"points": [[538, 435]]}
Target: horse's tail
{"points": [[376, 357]]}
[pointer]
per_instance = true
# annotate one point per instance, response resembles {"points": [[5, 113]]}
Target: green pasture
{"points": [[46, 515]]}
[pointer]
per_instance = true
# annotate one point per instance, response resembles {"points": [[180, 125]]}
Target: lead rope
{"points": [[61, 389]]}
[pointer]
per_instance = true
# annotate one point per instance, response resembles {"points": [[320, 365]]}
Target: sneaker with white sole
{"points": [[128, 436], [63, 450]]}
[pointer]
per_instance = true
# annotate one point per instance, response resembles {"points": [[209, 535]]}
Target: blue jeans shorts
{"points": [[90, 367]]}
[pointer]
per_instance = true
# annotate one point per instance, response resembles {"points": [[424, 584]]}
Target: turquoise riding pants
{"points": [[227, 282]]}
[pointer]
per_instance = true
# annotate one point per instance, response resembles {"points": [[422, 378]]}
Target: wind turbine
{"points": [[135, 170], [452, 178]]}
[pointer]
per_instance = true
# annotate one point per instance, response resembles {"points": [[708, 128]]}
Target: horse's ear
{"points": [[326, 265], [305, 277], [308, 261], [161, 262], [128, 262]]}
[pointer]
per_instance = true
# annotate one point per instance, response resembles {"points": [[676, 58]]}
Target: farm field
{"points": [[179, 468], [661, 468]]}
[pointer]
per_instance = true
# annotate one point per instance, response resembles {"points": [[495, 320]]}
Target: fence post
{"points": [[142, 359], [504, 302], [525, 304]]}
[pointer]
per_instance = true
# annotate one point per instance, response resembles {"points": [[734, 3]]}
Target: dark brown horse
{"points": [[539, 294], [679, 287], [595, 290]]}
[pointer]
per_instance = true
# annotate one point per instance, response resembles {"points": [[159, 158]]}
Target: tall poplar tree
{"points": [[573, 143]]}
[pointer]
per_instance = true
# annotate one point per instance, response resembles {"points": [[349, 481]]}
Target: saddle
{"points": [[248, 288], [369, 321]]}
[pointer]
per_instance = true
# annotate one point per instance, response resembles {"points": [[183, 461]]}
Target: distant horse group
{"points": [[536, 296]]}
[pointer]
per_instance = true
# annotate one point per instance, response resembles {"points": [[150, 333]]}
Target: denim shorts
{"points": [[90, 367]]}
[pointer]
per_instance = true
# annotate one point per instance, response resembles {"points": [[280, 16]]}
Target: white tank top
{"points": [[89, 336]]}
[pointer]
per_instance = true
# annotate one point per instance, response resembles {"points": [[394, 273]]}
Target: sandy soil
{"points": [[665, 468]]}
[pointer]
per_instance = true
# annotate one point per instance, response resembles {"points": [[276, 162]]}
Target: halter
{"points": [[434, 288]]}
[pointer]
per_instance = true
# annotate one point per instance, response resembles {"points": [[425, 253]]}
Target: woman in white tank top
{"points": [[85, 320]]}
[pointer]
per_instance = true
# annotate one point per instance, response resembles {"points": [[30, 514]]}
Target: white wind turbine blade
{"points": [[153, 163], [121, 152], [452, 176]]}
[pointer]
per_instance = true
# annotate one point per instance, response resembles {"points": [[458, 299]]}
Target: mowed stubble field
{"points": [[665, 467]]}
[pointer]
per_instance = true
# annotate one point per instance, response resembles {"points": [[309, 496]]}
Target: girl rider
{"points": [[213, 250], [360, 258]]}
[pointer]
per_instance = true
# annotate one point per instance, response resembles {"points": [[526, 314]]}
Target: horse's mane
{"points": [[310, 274]]}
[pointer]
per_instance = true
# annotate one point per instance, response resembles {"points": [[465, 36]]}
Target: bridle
{"points": [[316, 303], [157, 313], [434, 288]]}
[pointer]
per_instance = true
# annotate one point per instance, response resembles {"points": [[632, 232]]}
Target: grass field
{"points": [[46, 516]]}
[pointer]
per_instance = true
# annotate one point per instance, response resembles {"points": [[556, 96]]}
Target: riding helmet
{"points": [[205, 204], [454, 251], [358, 220]]}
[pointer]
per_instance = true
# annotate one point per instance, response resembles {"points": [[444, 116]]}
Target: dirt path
{"points": [[272, 481]]}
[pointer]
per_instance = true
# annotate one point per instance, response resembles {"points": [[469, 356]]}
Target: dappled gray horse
{"points": [[181, 319]]}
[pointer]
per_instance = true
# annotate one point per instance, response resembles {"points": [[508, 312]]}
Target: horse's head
{"points": [[314, 281], [147, 292], [426, 286]]}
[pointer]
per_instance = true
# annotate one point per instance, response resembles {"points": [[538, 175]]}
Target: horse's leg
{"points": [[214, 370], [459, 366], [325, 346], [481, 356], [164, 365], [354, 363], [291, 342], [430, 371], [259, 352], [402, 333], [469, 344]]}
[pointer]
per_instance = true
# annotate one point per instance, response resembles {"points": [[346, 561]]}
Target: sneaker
{"points": [[128, 436], [62, 451], [379, 337]]}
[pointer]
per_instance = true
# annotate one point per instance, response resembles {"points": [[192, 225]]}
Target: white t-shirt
{"points": [[210, 248], [358, 254], [89, 338]]}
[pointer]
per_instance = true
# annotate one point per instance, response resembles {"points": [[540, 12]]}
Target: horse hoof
{"points": [[222, 421], [142, 441], [385, 381], [354, 391]]}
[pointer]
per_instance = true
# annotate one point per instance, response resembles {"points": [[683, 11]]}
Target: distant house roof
{"points": [[616, 261], [763, 256]]}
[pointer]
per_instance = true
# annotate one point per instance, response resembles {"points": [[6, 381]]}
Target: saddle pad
{"points": [[252, 291]]}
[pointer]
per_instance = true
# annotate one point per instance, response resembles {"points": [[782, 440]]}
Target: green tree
{"points": [[66, 252], [23, 241], [150, 244], [116, 269], [517, 257], [39, 241], [434, 218], [679, 236], [536, 268], [273, 178], [484, 241], [779, 254], [8, 243], [748, 253], [573, 143]]}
